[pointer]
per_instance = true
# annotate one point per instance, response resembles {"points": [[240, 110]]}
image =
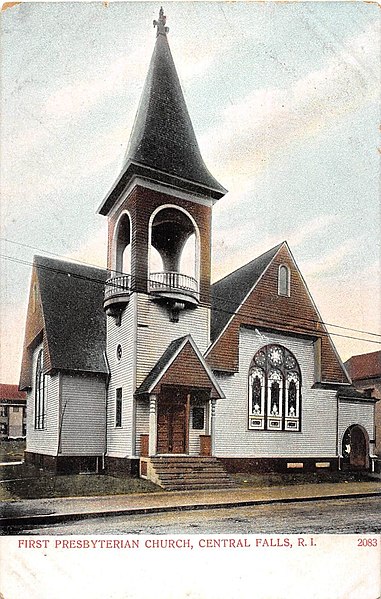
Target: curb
{"points": [[29, 521]]}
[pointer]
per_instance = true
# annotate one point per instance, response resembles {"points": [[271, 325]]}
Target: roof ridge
{"points": [[68, 262], [276, 247]]}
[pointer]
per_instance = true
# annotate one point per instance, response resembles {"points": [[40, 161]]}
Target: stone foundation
{"points": [[260, 465]]}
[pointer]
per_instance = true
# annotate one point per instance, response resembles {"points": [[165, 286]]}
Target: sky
{"points": [[284, 100]]}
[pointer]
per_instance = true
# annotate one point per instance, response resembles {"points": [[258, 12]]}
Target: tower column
{"points": [[213, 424], [152, 425]]}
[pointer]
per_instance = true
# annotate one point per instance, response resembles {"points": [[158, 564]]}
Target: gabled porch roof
{"points": [[181, 364]]}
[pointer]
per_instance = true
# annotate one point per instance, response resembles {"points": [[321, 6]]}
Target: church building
{"points": [[148, 369]]}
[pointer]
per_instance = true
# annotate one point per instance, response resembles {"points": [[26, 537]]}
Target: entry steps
{"points": [[183, 473]]}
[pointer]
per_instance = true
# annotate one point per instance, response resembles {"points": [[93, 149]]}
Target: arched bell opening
{"points": [[174, 243], [122, 246], [118, 286]]}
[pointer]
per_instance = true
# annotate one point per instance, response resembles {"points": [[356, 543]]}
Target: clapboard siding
{"points": [[119, 440], [83, 415], [319, 408], [351, 412], [153, 340], [142, 421], [43, 441]]}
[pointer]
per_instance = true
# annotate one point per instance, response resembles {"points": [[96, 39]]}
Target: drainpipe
{"points": [[106, 407]]}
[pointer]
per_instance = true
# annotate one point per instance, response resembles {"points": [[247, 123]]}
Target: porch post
{"points": [[213, 424], [152, 425]]}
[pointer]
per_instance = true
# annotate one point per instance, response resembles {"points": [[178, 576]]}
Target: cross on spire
{"points": [[160, 24]]}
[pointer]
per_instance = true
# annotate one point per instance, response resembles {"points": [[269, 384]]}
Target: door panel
{"points": [[171, 428]]}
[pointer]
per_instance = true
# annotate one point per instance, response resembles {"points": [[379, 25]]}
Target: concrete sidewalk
{"points": [[43, 511]]}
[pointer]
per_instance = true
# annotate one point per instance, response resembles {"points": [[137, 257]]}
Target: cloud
{"points": [[267, 120], [93, 250], [331, 260], [231, 249], [351, 303], [79, 96]]}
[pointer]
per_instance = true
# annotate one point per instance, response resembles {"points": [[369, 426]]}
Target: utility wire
{"points": [[215, 297], [301, 329]]}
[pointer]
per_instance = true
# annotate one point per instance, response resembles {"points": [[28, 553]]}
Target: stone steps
{"points": [[177, 473]]}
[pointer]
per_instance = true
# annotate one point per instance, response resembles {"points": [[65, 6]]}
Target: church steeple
{"points": [[163, 145]]}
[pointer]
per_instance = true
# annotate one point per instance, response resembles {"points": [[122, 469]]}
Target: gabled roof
{"points": [[11, 392], [249, 297], [351, 393], [228, 293], [71, 302], [163, 144], [364, 366], [171, 358]]}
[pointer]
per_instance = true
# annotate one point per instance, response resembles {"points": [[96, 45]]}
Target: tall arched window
{"points": [[274, 390], [283, 280], [39, 393]]}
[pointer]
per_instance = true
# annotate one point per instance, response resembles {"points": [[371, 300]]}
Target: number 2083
{"points": [[367, 542]]}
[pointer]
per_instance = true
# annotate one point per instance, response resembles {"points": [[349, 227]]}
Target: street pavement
{"points": [[45, 511]]}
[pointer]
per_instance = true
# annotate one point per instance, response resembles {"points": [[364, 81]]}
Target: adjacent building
{"points": [[12, 412], [365, 372], [147, 368]]}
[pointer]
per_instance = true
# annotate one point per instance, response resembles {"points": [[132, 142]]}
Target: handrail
{"points": [[115, 286], [172, 281]]}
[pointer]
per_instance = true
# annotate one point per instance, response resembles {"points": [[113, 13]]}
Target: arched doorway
{"points": [[355, 448]]}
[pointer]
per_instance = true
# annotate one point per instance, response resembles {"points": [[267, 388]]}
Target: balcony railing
{"points": [[118, 286], [173, 282]]}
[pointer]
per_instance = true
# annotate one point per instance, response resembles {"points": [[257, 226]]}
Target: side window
{"points": [[198, 418], [284, 280], [118, 408], [40, 394]]}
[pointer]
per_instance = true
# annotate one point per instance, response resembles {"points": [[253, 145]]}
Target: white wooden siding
{"points": [[319, 409], [119, 440], [351, 412], [158, 332], [83, 415], [142, 421], [43, 441]]}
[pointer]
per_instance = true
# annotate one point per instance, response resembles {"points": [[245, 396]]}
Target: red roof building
{"points": [[12, 412], [365, 372]]}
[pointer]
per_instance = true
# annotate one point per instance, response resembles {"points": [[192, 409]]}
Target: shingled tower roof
{"points": [[163, 145]]}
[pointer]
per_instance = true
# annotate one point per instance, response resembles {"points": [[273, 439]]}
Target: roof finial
{"points": [[160, 24]]}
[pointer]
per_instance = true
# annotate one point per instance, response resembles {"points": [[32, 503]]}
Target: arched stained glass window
{"points": [[274, 390]]}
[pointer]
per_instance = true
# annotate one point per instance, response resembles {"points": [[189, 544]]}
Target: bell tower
{"points": [[157, 297], [159, 209]]}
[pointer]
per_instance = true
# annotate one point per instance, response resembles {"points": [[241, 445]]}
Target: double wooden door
{"points": [[172, 426]]}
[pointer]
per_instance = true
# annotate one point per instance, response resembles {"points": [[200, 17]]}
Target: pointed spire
{"points": [[163, 144]]}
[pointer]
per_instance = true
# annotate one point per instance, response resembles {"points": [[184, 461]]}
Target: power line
{"points": [[215, 297], [301, 329]]}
